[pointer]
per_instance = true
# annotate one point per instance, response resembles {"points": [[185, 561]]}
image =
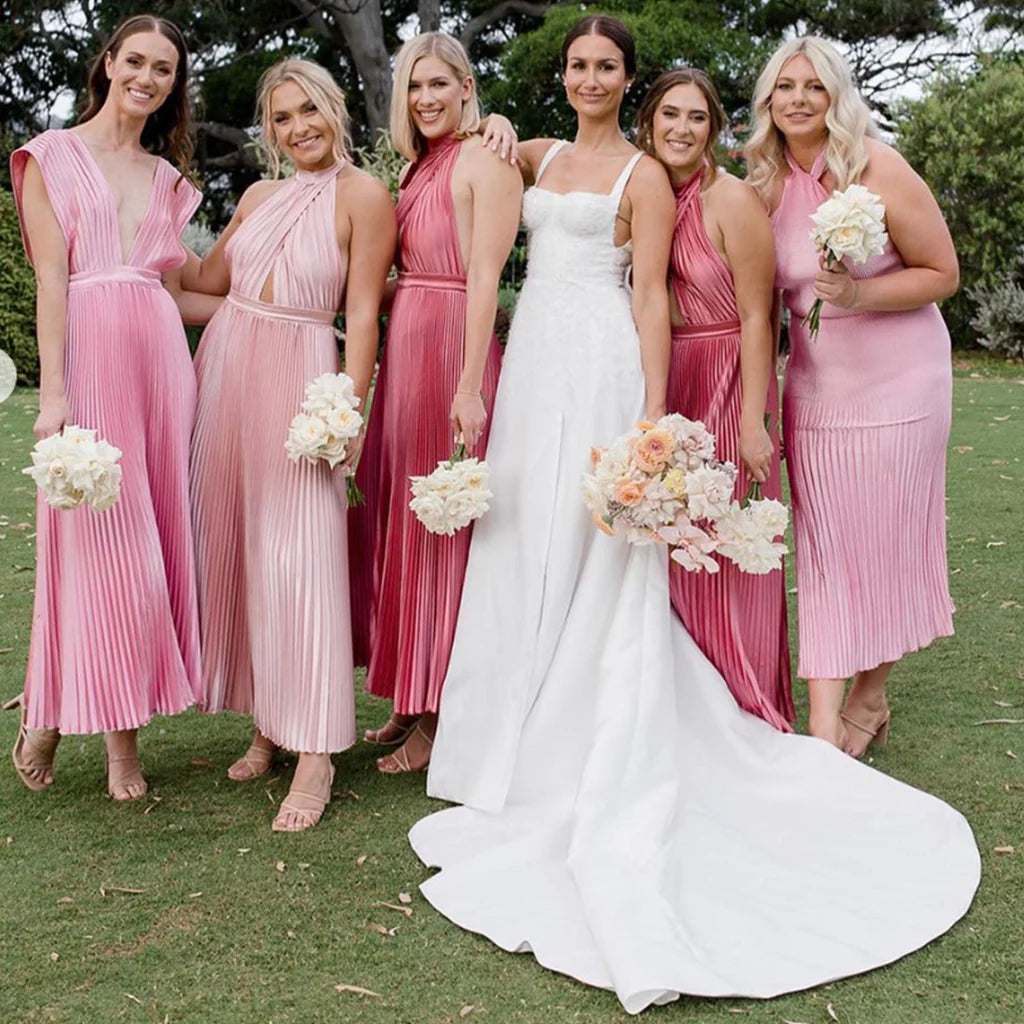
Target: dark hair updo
{"points": [[612, 29]]}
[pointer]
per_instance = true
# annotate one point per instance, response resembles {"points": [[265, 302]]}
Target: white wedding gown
{"points": [[625, 821]]}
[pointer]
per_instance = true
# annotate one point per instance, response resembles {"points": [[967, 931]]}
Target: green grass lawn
{"points": [[184, 907]]}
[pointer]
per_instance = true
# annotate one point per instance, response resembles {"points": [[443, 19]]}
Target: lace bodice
{"points": [[572, 234]]}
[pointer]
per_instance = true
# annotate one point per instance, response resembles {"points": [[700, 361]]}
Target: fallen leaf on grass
{"points": [[995, 543], [21, 526], [830, 1010], [467, 1010], [201, 762], [244, 849], [1005, 704], [393, 906], [362, 859], [381, 930], [65, 899], [270, 797], [352, 793], [1002, 849], [104, 889], [1003, 476], [357, 990], [404, 897], [961, 449], [1000, 419], [54, 957], [280, 865], [302, 867], [6, 650], [1009, 604], [193, 895], [134, 999], [1001, 721], [1010, 754]]}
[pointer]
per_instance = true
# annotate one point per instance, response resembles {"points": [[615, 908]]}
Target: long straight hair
{"points": [[168, 130], [848, 118], [404, 135]]}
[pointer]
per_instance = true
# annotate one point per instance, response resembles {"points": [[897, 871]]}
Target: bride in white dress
{"points": [[623, 819]]}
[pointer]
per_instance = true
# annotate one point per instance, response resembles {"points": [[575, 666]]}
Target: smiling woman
{"points": [[115, 633]]}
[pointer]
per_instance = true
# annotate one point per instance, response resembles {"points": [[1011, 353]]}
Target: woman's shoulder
{"points": [[726, 189], [478, 158], [354, 185]]}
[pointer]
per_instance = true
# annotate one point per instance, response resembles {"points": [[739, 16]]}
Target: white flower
{"points": [[770, 515], [745, 540], [452, 496], [306, 436], [74, 468], [850, 223], [709, 490], [691, 546]]}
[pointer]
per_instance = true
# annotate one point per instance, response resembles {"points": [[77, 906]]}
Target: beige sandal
{"points": [[879, 735], [124, 777], [398, 763], [256, 761], [308, 816], [33, 750], [401, 735]]}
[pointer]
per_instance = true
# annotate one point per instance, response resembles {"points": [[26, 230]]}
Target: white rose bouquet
{"points": [[453, 495], [329, 419], [662, 483], [849, 223], [75, 468]]}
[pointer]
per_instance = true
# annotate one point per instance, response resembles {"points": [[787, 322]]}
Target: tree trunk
{"points": [[430, 15], [363, 29]]}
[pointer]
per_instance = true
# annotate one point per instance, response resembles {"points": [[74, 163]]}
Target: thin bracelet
{"points": [[463, 391], [853, 304]]}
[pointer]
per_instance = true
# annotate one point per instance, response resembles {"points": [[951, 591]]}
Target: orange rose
{"points": [[628, 492], [654, 449]]}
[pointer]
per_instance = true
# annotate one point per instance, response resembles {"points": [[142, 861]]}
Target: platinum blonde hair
{"points": [[848, 118], [404, 136], [318, 84]]}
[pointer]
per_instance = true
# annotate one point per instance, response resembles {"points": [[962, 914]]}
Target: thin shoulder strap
{"points": [[620, 186], [548, 157]]}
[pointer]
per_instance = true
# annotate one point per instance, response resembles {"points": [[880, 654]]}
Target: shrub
{"points": [[965, 137], [17, 297], [999, 319]]}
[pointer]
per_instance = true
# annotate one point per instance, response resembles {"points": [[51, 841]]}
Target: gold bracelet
{"points": [[463, 391]]}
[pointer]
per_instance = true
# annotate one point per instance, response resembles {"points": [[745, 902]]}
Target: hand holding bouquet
{"points": [[329, 421], [73, 468], [453, 495], [662, 483], [850, 224]]}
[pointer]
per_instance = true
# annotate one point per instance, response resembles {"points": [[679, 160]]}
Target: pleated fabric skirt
{"points": [[737, 619], [271, 541], [415, 576], [114, 630], [866, 416]]}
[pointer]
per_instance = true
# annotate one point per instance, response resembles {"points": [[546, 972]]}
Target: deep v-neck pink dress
{"points": [[866, 418], [415, 577], [737, 619], [114, 627]]}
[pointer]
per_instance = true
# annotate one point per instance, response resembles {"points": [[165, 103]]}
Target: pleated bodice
{"points": [[701, 282], [428, 239], [292, 237]]}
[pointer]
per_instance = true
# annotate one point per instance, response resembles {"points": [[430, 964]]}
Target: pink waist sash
{"points": [[275, 312], [114, 275], [719, 330], [451, 282]]}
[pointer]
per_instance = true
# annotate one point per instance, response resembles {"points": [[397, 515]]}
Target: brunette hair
{"points": [[318, 84], [168, 130], [612, 29], [664, 83], [404, 135], [848, 118]]}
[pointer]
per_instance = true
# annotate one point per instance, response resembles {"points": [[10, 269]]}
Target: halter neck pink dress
{"points": [[114, 630], [415, 576], [737, 619], [866, 419], [271, 533]]}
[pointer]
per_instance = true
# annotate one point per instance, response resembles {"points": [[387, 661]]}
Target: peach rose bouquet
{"points": [[661, 483]]}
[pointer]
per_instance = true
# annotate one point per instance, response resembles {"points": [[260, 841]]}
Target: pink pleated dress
{"points": [[271, 535], [415, 577], [737, 619], [866, 419], [114, 629]]}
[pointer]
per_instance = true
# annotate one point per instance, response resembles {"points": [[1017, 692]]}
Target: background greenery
{"points": [[234, 924]]}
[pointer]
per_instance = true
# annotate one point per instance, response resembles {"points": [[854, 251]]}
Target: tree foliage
{"points": [[17, 296], [965, 137]]}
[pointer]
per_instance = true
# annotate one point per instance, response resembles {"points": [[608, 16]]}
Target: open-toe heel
{"points": [[33, 750]]}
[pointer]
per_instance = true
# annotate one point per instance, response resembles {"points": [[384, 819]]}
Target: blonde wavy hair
{"points": [[848, 118], [316, 82], [404, 135]]}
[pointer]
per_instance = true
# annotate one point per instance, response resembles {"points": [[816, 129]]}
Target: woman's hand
{"points": [[353, 450], [499, 134], [756, 450], [468, 418], [835, 285], [54, 415]]}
